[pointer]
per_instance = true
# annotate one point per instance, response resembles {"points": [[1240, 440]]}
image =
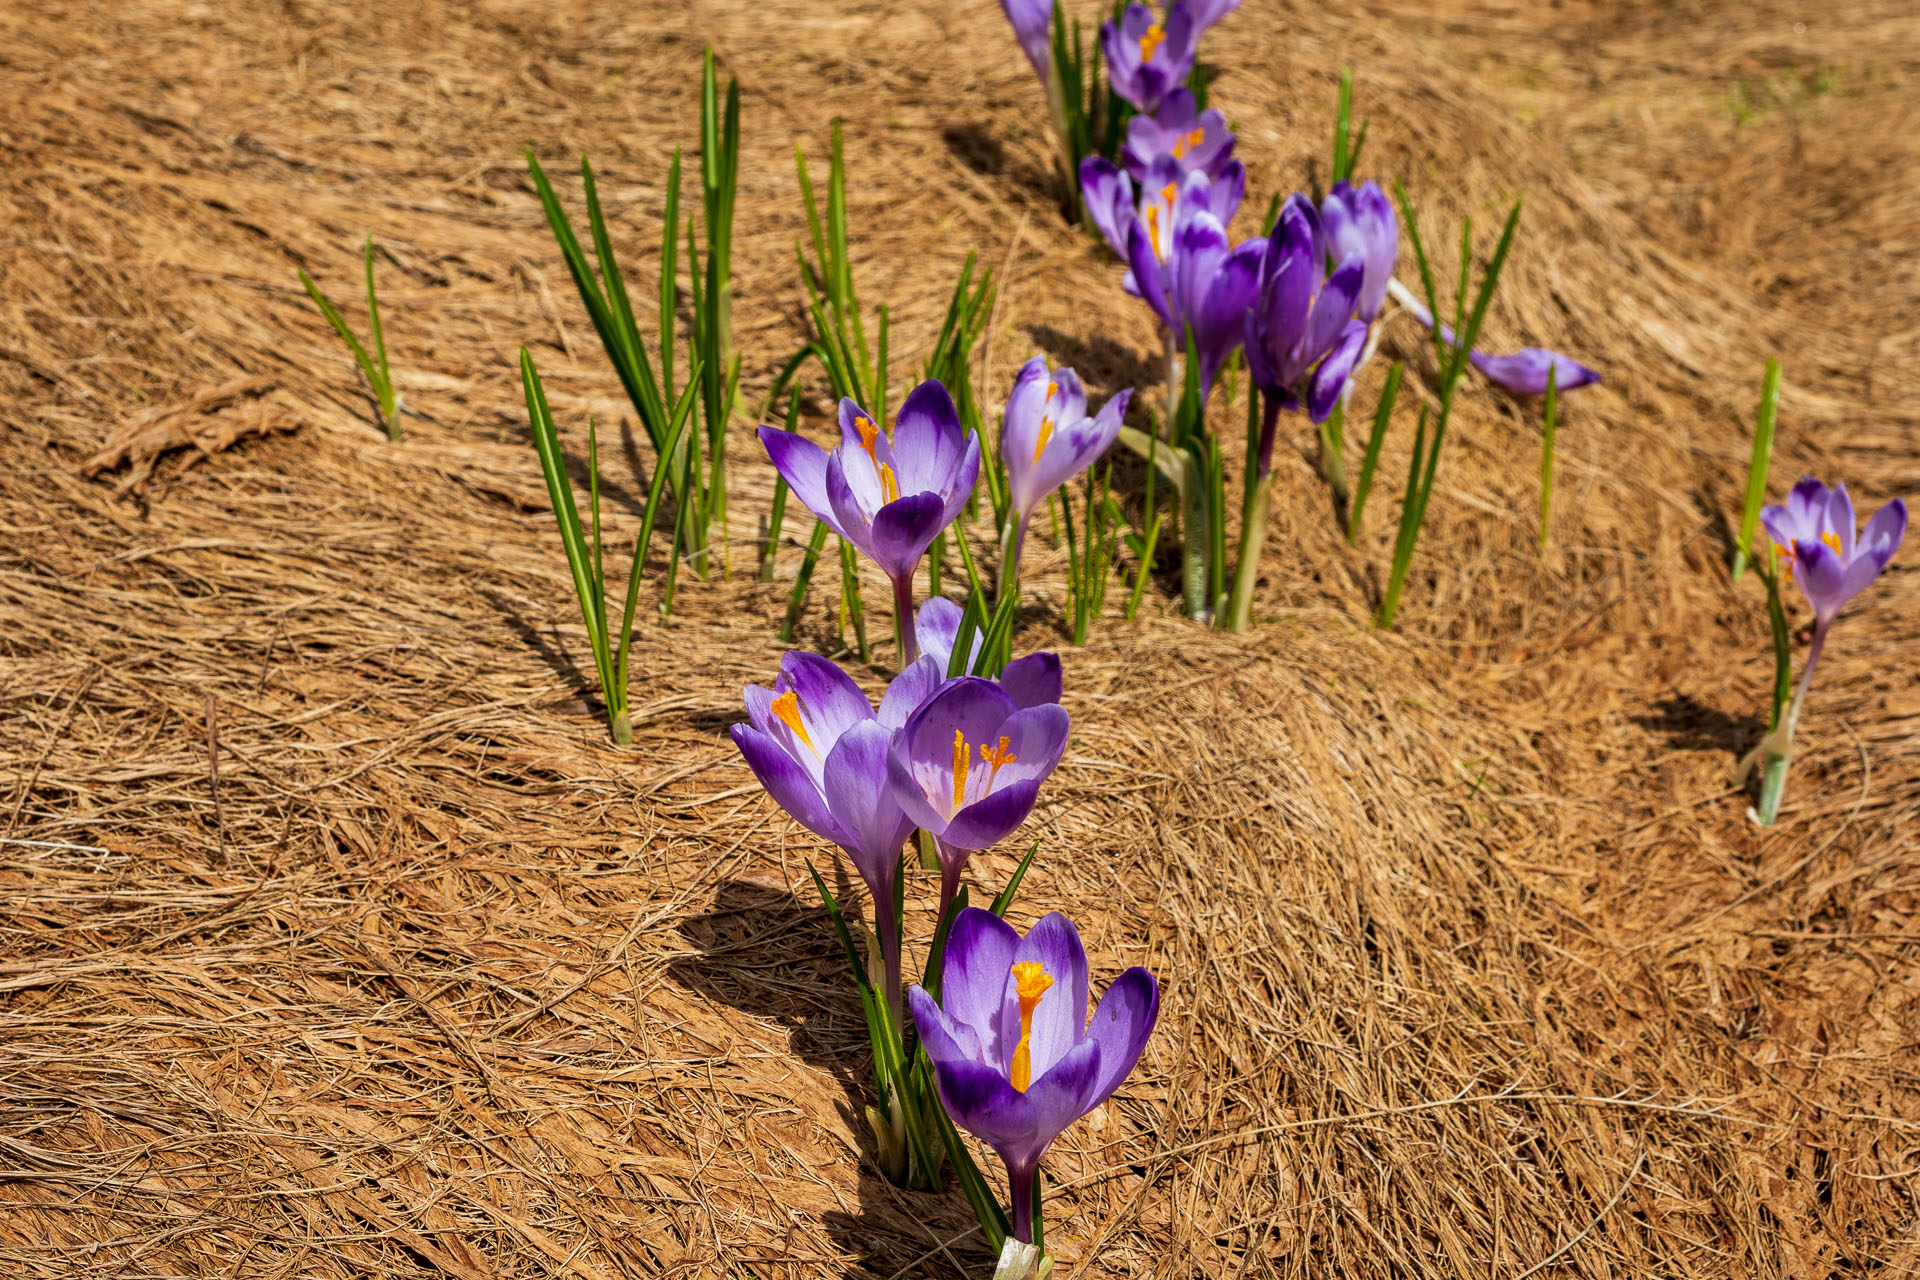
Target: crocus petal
{"points": [[1109, 198], [1883, 534], [1037, 736], [872, 826], [982, 1102], [1330, 379], [1222, 195], [1822, 577], [1146, 273], [944, 1039], [1055, 1100], [975, 979], [920, 765], [904, 529], [1026, 406], [1072, 450], [1207, 12], [1779, 524], [1334, 307], [1033, 680], [1221, 323], [912, 687], [1031, 20], [803, 464], [1121, 1025], [1839, 520], [1059, 1021], [1525, 371], [1807, 503], [927, 440], [936, 626], [987, 822], [830, 702], [787, 781], [853, 522]]}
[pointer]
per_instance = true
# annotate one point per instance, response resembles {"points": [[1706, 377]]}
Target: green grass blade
{"points": [[797, 598], [1471, 333], [383, 386], [1426, 272], [669, 277], [340, 327], [1004, 899], [1382, 415], [567, 516], [1343, 113], [1758, 465], [1409, 529]]}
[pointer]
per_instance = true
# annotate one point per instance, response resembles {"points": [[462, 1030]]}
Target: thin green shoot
{"points": [[1758, 465], [1382, 415], [374, 368]]}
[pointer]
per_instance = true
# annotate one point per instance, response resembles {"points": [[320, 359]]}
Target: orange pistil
{"points": [[1030, 983], [869, 441], [1151, 41], [1168, 192], [1153, 228], [1832, 539], [1187, 142], [787, 707], [1046, 434], [962, 765], [997, 756]]}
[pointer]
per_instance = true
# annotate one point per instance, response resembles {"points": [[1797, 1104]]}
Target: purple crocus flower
{"points": [[1110, 199], [1361, 220], [1195, 279], [1032, 20], [1147, 57], [1525, 371], [889, 498], [1031, 681], [1013, 1056], [1302, 340], [817, 747], [1047, 439], [967, 768], [1814, 542], [1181, 132]]}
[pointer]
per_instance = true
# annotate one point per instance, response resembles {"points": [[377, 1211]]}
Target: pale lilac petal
{"points": [[1059, 1021], [976, 982], [788, 781], [1330, 379], [911, 688], [927, 441], [1122, 1023], [803, 464], [872, 826]]}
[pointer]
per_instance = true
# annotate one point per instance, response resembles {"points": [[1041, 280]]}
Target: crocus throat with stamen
{"points": [[1147, 58], [967, 767]]}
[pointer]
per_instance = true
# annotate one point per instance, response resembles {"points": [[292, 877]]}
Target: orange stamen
{"points": [[1046, 434], [787, 707], [1168, 192], [1832, 539], [1030, 983], [1785, 557], [1187, 142], [1151, 41], [997, 756]]}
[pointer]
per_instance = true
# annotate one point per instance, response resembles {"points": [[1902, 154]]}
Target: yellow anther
{"points": [[869, 440], [1153, 228], [1168, 192], [1046, 434], [787, 707], [997, 756], [1832, 539], [1188, 141], [962, 763], [1053, 389], [1151, 41], [1030, 982], [1785, 557]]}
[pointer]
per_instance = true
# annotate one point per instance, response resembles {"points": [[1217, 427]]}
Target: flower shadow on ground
{"points": [[1691, 725], [774, 957]]}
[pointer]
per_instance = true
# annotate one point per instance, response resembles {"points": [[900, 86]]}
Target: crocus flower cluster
{"points": [[1815, 543], [961, 757]]}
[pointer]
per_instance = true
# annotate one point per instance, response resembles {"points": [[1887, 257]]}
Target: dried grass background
{"points": [[391, 965]]}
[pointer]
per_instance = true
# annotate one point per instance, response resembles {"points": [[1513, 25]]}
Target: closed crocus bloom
{"points": [[1525, 371], [1360, 220], [1148, 57], [1031, 20], [1108, 195], [1181, 132], [889, 498], [814, 743], [1815, 545], [1302, 340], [1013, 1057], [1048, 438], [967, 767], [1196, 280]]}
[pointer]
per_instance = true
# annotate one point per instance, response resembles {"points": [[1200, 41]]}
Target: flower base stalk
{"points": [[1253, 536], [907, 645]]}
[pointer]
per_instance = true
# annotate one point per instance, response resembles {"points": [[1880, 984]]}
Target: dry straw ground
{"points": [[390, 965]]}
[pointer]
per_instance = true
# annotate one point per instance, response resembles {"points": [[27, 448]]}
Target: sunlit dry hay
{"points": [[382, 961]]}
